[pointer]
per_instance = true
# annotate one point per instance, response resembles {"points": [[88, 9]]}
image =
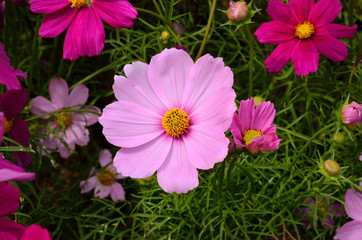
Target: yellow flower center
{"points": [[304, 30], [323, 206], [63, 119], [250, 134], [78, 3], [106, 177], [7, 125], [175, 122]]}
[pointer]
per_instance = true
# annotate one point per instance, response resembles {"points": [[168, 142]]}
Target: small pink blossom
{"points": [[352, 114], [72, 126], [252, 128], [83, 18], [104, 181], [303, 29], [237, 11]]}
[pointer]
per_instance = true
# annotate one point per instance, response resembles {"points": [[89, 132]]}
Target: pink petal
{"points": [[177, 174], [246, 113], [324, 12], [77, 134], [9, 199], [167, 74], [20, 133], [279, 11], [207, 76], [236, 130], [205, 146], [280, 56], [47, 6], [10, 230], [126, 124], [7, 76], [36, 232], [275, 32], [349, 231], [353, 200], [330, 47], [338, 31], [86, 118], [42, 105], [11, 172], [89, 184], [12, 102], [102, 191], [266, 142], [305, 57], [79, 95], [58, 91], [264, 115], [1, 126], [85, 35], [105, 157], [117, 192], [300, 9], [143, 161], [55, 23], [118, 13]]}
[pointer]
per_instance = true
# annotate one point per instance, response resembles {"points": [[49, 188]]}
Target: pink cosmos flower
{"points": [[353, 229], [71, 125], [104, 181], [302, 29], [11, 172], [352, 114], [12, 102], [85, 35], [9, 75], [170, 117], [251, 128], [36, 232]]}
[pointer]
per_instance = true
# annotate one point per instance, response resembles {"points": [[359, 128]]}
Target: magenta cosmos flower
{"points": [[353, 229], [85, 35], [12, 102], [9, 75], [170, 117], [302, 29], [71, 126], [251, 127], [104, 181], [352, 114]]}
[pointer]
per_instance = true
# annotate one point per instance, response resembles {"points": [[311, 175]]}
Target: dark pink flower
{"points": [[9, 75], [12, 102], [352, 114], [11, 172], [35, 232], [252, 128], [85, 35], [302, 29]]}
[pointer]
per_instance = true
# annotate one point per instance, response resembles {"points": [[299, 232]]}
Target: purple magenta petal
{"points": [[247, 113], [330, 47], [117, 192], [20, 133], [280, 56], [324, 12], [12, 102], [305, 58], [300, 9], [36, 232], [279, 11], [338, 31], [48, 6], [264, 115], [236, 130], [9, 199], [275, 32], [7, 76], [10, 230], [1, 126], [11, 172]]}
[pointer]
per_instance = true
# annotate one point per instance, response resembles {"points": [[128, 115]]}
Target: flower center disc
{"points": [[304, 30], [106, 177], [78, 3], [175, 122], [63, 119], [250, 134], [7, 126]]}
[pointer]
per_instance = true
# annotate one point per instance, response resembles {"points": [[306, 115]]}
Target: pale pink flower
{"points": [[237, 11], [170, 117], [72, 126], [104, 181], [85, 35], [303, 29], [352, 114], [353, 229], [252, 128]]}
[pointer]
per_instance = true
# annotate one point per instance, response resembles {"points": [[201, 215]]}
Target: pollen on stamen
{"points": [[250, 134], [175, 122], [78, 3], [106, 177], [7, 125], [304, 30]]}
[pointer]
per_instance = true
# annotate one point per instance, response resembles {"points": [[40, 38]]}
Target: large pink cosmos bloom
{"points": [[85, 35], [353, 229], [71, 125], [9, 75], [302, 29], [170, 117], [251, 127], [104, 181], [352, 114]]}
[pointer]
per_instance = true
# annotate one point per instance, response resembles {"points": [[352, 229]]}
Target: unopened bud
{"points": [[165, 35], [339, 137], [331, 166], [352, 114], [258, 100], [237, 11]]}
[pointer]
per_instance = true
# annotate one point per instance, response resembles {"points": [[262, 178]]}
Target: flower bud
{"points": [[181, 48], [179, 28], [258, 100], [237, 11], [331, 166], [165, 35], [339, 137], [352, 114]]}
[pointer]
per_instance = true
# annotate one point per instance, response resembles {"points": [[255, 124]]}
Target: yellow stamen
{"points": [[7, 125], [78, 3], [322, 206], [250, 134], [63, 119], [106, 177], [175, 122], [304, 30]]}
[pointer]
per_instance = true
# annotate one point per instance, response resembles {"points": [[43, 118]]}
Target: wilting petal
{"points": [[305, 58], [102, 191]]}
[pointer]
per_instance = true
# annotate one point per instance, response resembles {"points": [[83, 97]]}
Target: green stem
{"points": [[211, 16], [60, 111], [251, 62]]}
